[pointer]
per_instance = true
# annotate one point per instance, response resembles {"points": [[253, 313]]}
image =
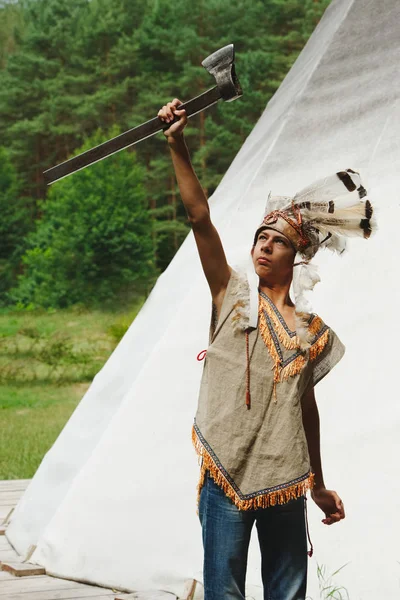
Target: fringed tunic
{"points": [[257, 452]]}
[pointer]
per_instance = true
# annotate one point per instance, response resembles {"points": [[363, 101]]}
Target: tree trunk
{"points": [[173, 204], [152, 206]]}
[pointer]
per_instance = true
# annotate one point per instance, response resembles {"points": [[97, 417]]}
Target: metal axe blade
{"points": [[220, 64]]}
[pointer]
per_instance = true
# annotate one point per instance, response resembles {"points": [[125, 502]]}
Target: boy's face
{"points": [[273, 256]]}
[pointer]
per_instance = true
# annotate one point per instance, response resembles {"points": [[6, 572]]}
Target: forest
{"points": [[74, 74]]}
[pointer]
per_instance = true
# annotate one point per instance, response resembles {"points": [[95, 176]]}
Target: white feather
{"points": [[304, 282]]}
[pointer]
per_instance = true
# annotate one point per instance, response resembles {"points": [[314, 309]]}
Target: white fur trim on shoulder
{"points": [[241, 294]]}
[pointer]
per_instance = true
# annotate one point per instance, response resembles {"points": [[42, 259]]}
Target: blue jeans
{"points": [[226, 535]]}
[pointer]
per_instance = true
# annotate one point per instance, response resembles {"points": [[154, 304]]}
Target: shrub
{"points": [[94, 238]]}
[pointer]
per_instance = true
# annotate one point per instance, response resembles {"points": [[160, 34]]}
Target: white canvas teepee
{"points": [[113, 501]]}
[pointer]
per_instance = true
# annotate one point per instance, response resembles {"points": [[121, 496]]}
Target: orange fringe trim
{"points": [[293, 368], [296, 366], [315, 326], [319, 345], [269, 342], [263, 501], [291, 343]]}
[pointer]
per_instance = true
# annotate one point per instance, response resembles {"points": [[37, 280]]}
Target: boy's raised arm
{"points": [[208, 242]]}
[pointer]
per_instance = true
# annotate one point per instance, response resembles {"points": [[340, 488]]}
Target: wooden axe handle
{"points": [[130, 137]]}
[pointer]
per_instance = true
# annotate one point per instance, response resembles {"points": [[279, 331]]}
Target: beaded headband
{"points": [[281, 221]]}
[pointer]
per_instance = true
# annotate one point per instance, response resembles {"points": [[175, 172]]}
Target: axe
{"points": [[220, 64]]}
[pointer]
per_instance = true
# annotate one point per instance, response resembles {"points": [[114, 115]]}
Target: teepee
{"points": [[114, 500]]}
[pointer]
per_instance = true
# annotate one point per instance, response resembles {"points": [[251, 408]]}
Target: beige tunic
{"points": [[259, 456]]}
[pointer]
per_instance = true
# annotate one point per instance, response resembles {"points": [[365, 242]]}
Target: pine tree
{"points": [[39, 89], [14, 224], [11, 22], [93, 241], [74, 67]]}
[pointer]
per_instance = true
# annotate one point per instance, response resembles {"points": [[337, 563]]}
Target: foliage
{"points": [[14, 224], [11, 21], [70, 68], [122, 322], [30, 357], [53, 348], [47, 359], [94, 238]]}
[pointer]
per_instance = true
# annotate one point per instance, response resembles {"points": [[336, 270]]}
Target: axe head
{"points": [[221, 65]]}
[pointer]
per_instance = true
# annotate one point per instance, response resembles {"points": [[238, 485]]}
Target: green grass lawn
{"points": [[47, 361], [31, 418]]}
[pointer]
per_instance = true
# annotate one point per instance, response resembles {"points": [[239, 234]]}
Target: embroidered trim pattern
{"points": [[276, 333], [287, 337], [279, 494]]}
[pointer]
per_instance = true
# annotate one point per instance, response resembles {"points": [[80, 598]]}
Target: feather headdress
{"points": [[322, 214]]}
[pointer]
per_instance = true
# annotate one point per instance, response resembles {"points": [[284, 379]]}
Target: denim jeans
{"points": [[226, 535]]}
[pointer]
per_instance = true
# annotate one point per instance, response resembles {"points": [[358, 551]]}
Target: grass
{"points": [[47, 361], [327, 589], [32, 416]]}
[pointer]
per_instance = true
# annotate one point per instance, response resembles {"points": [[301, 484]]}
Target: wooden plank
{"points": [[151, 595], [38, 596], [67, 589], [9, 499], [4, 482], [6, 508], [12, 489], [199, 591], [5, 576], [83, 592], [8, 516], [4, 512], [43, 587], [51, 588], [108, 597], [13, 485], [8, 502], [22, 569], [11, 493], [35, 583], [190, 589]]}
